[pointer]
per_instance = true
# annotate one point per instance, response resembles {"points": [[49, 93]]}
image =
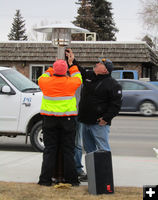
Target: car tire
{"points": [[147, 108], [36, 137]]}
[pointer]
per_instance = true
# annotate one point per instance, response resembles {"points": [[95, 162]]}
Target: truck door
{"points": [[9, 108]]}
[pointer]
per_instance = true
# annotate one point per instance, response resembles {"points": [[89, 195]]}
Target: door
{"points": [[9, 109], [132, 93]]}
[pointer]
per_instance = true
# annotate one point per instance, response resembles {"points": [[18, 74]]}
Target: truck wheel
{"points": [[147, 108], [36, 137]]}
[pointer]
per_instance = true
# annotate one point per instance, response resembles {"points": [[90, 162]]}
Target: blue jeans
{"points": [[78, 147], [95, 137]]}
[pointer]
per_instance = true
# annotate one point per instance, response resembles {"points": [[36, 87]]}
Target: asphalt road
{"points": [[134, 135], [131, 135]]}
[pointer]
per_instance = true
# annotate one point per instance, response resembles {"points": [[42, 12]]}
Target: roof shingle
{"points": [[84, 51]]}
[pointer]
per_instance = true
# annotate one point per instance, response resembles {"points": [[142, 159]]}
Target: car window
{"points": [[132, 86], [115, 75]]}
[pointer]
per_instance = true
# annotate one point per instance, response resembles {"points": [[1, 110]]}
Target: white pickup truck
{"points": [[20, 101]]}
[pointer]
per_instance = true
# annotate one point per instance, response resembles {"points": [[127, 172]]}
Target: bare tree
{"points": [[36, 36], [148, 40], [33, 35], [149, 13]]}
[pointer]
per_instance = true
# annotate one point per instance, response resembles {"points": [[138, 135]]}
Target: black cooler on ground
{"points": [[99, 172]]}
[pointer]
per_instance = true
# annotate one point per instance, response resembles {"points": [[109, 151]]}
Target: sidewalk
{"points": [[128, 171]]}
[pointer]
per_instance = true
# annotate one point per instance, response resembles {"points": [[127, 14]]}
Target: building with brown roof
{"points": [[32, 58]]}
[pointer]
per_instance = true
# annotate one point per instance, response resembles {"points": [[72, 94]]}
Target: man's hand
{"points": [[101, 122], [70, 56]]}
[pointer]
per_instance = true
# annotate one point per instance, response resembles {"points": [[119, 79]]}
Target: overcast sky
{"points": [[34, 11]]}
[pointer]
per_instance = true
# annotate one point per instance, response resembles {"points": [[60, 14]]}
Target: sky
{"points": [[125, 15]]}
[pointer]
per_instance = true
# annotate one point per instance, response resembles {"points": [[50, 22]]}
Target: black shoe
{"points": [[45, 184], [58, 180], [75, 184]]}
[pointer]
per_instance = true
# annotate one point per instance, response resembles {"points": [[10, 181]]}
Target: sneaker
{"points": [[82, 173], [82, 177]]}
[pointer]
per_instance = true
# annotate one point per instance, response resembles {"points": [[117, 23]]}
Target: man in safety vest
{"points": [[59, 109]]}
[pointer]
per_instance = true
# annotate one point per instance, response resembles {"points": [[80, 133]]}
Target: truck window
{"points": [[2, 83], [128, 75], [18, 80], [115, 75]]}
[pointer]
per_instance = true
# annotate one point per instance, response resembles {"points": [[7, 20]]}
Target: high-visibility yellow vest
{"points": [[59, 92]]}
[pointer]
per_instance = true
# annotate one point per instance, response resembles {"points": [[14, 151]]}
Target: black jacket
{"points": [[100, 97]]}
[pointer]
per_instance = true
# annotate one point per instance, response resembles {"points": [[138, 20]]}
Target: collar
{"points": [[102, 76], [59, 75]]}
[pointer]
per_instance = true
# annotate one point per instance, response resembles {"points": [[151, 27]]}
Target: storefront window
{"points": [[36, 71]]}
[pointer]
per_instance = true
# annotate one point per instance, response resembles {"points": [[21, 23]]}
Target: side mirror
{"points": [[7, 90]]}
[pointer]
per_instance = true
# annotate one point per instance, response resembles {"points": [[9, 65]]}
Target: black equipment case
{"points": [[99, 172]]}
